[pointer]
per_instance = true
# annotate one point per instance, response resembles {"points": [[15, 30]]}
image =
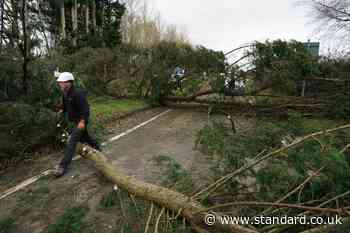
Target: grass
{"points": [[38, 195], [106, 107], [70, 222], [7, 225], [109, 199]]}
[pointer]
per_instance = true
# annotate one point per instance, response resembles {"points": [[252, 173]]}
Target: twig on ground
{"points": [[158, 219], [149, 218], [345, 148]]}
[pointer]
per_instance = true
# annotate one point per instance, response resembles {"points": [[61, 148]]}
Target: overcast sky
{"points": [[227, 24]]}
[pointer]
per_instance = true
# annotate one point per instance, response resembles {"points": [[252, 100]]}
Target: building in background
{"points": [[313, 48]]}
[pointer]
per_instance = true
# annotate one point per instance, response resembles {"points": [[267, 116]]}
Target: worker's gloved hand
{"points": [[81, 125]]}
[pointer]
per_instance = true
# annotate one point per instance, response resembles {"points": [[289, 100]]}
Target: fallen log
{"points": [[164, 197], [280, 111], [226, 92]]}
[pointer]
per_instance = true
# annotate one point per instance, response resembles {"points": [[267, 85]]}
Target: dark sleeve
{"points": [[82, 105], [63, 106]]}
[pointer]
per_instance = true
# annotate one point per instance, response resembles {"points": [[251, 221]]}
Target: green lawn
{"points": [[104, 107]]}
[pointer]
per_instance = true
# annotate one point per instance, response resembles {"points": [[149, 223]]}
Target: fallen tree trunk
{"points": [[164, 197], [280, 110], [265, 84]]}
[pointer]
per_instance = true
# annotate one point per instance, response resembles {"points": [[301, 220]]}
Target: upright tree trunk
{"points": [[14, 25], [24, 16], [102, 22], [2, 9], [303, 88], [87, 20], [75, 22], [93, 14], [42, 29], [63, 21], [102, 15]]}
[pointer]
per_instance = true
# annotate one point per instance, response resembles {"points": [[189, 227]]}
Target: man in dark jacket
{"points": [[77, 109]]}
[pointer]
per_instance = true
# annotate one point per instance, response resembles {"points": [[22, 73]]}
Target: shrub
{"points": [[25, 127], [339, 107]]}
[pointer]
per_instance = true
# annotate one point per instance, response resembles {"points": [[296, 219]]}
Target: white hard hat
{"points": [[65, 76]]}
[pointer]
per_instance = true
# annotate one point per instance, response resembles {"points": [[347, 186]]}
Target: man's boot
{"points": [[59, 171]]}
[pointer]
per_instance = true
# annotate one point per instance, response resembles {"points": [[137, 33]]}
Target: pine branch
{"points": [[296, 142]]}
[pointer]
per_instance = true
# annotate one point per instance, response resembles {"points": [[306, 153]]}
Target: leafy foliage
{"points": [[339, 107], [27, 126], [114, 11], [283, 63]]}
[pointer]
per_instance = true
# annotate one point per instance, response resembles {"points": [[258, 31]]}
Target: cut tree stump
{"points": [[164, 197]]}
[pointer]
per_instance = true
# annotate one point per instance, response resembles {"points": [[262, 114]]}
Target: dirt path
{"points": [[173, 135], [39, 204]]}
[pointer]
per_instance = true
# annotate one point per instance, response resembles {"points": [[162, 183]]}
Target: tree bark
{"points": [[14, 25], [87, 20], [2, 9], [162, 196], [75, 22], [261, 85], [102, 23], [63, 21], [93, 14], [24, 16]]}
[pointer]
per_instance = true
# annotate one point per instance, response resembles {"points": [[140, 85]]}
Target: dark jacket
{"points": [[76, 105]]}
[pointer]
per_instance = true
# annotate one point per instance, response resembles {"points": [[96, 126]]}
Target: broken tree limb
{"points": [[164, 197], [280, 110], [263, 85]]}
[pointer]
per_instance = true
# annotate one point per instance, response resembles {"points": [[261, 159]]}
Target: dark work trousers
{"points": [[77, 135]]}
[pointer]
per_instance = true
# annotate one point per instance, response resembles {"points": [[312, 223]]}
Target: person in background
{"points": [[77, 108]]}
